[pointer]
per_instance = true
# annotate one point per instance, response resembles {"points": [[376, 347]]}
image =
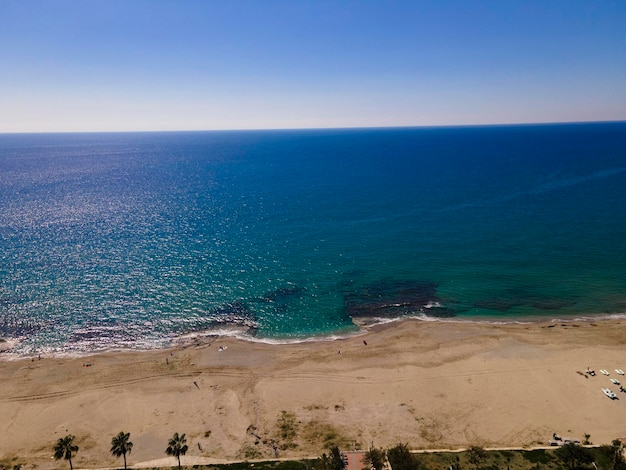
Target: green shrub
{"points": [[537, 456]]}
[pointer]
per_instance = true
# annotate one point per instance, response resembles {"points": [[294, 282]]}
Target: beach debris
{"points": [[561, 441]]}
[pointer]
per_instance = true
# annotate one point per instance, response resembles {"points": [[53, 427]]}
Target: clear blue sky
{"points": [[81, 65]]}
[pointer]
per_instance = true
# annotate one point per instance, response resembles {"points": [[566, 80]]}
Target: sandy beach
{"points": [[429, 384]]}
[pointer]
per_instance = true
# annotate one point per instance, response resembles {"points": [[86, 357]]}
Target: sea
{"points": [[145, 240]]}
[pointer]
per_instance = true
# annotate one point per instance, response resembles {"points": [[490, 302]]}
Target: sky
{"points": [[143, 65]]}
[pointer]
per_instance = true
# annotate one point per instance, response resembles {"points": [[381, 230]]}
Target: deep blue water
{"points": [[132, 240]]}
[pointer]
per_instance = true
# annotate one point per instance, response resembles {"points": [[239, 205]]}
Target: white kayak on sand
{"points": [[609, 393]]}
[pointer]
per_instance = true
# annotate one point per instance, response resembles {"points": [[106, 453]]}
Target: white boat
{"points": [[604, 371], [615, 381], [619, 371], [609, 394]]}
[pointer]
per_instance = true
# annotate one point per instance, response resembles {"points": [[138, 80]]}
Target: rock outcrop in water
{"points": [[13, 327], [391, 299], [524, 296], [233, 313], [283, 294], [282, 298]]}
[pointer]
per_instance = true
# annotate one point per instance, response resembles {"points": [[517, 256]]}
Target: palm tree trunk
{"points": [[71, 467], [124, 460], [179, 462]]}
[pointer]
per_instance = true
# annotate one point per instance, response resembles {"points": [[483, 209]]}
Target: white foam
{"points": [[15, 349]]}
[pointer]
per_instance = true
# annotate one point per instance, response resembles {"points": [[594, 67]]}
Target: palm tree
{"points": [[617, 449], [65, 448], [177, 446], [120, 445]]}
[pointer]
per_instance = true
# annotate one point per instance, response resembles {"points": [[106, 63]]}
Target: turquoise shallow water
{"points": [[133, 240]]}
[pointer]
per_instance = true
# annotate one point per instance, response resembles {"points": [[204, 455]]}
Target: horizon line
{"points": [[262, 129]]}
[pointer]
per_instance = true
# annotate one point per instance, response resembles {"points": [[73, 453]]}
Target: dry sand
{"points": [[429, 384]]}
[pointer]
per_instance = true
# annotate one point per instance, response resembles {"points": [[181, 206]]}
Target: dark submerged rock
{"points": [[390, 299], [501, 304], [523, 297], [13, 327], [283, 294]]}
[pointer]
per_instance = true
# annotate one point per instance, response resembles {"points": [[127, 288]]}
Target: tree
{"points": [[400, 458], [177, 446], [120, 445], [476, 455], [573, 455], [375, 458], [336, 460], [65, 449], [323, 463], [617, 457]]}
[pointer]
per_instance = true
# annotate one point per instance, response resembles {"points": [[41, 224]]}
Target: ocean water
{"points": [[134, 240]]}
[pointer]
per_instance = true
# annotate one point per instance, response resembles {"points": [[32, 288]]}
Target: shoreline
{"points": [[362, 327], [431, 384]]}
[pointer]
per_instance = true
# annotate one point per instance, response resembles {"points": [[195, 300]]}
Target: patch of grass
{"points": [[315, 407], [496, 460], [269, 465], [323, 434], [249, 452], [602, 456], [538, 456], [287, 427], [10, 461], [294, 465]]}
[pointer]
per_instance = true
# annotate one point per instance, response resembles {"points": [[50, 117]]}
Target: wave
{"points": [[12, 350]]}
